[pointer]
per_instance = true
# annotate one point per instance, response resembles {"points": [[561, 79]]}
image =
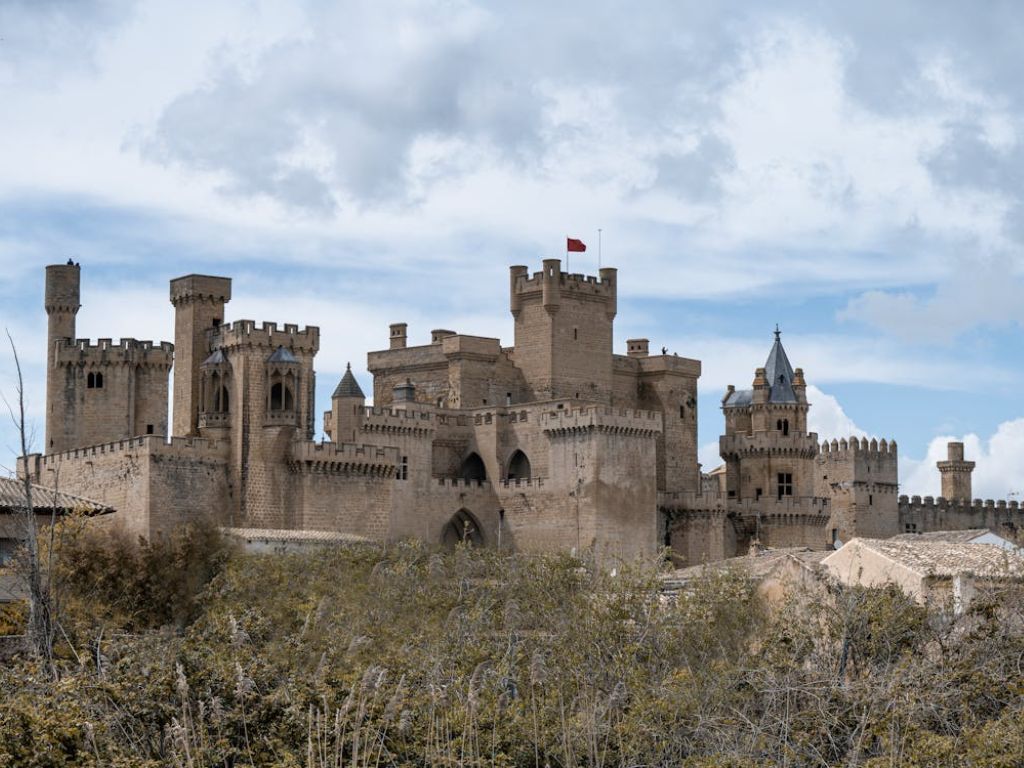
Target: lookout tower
{"points": [[563, 331], [956, 474]]}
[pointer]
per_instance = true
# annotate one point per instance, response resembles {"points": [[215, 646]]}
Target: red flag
{"points": [[572, 245]]}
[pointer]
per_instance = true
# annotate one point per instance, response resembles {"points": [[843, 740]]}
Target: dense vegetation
{"points": [[185, 653]]}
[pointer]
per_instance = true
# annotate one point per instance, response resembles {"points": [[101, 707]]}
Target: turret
{"points": [[62, 302], [198, 306], [956, 474], [398, 335], [347, 404], [637, 347]]}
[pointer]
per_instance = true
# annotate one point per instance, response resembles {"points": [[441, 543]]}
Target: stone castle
{"points": [[554, 443]]}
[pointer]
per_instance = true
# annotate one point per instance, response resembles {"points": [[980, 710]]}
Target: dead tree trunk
{"points": [[40, 615]]}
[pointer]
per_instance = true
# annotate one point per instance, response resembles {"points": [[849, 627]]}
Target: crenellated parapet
{"points": [[344, 458], [622, 421], [741, 446], [397, 421], [921, 514], [191, 447], [102, 352], [249, 333], [855, 445], [551, 282]]}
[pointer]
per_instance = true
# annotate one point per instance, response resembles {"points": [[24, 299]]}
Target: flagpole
{"points": [[598, 249], [567, 254]]}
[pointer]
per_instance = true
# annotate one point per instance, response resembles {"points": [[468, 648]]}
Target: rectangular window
{"points": [[871, 500], [7, 549], [758, 492], [785, 484], [403, 471], [149, 429]]}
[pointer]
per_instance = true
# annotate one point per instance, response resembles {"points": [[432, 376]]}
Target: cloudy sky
{"points": [[851, 171]]}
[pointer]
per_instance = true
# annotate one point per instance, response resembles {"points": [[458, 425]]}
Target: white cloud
{"points": [[827, 418], [999, 458], [982, 291]]}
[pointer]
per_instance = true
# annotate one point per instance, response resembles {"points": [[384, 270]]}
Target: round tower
{"points": [[62, 302], [956, 474]]}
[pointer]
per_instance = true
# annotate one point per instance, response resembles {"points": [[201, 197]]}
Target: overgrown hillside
{"points": [[190, 654]]}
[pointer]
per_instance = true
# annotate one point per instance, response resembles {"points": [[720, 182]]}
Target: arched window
{"points": [[473, 469], [90, 381], [281, 397], [782, 425], [519, 466], [462, 528], [221, 401]]}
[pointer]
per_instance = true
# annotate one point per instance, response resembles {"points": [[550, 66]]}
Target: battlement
{"points": [[196, 447], [766, 506], [344, 457], [602, 418], [251, 333], [569, 281], [839, 449], [942, 503], [461, 484], [524, 484], [769, 442], [397, 420], [106, 352]]}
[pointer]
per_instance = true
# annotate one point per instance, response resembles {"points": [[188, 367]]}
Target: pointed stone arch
{"points": [[473, 469], [519, 466], [462, 528]]}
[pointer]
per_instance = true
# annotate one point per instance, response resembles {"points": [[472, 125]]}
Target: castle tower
{"points": [[770, 457], [62, 302], [270, 396], [347, 404], [563, 331], [98, 392], [198, 306], [956, 474], [766, 446]]}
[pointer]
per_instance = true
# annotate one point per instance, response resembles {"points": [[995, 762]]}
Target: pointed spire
{"points": [[779, 372], [348, 386]]}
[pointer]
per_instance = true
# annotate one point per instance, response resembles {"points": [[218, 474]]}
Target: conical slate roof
{"points": [[348, 386], [779, 373], [282, 355], [217, 358]]}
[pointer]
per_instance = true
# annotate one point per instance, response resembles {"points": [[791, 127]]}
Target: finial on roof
{"points": [[778, 333], [348, 366]]}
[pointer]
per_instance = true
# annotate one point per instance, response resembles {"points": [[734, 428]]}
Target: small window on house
{"points": [[90, 381], [485, 401], [403, 471], [99, 381], [508, 398], [682, 411], [149, 429], [758, 492], [871, 500], [216, 322], [785, 483]]}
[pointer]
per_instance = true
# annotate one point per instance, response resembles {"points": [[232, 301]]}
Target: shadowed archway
{"points": [[463, 527], [473, 469], [519, 466]]}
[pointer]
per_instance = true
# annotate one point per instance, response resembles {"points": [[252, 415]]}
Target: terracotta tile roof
{"points": [[965, 536], [12, 498], [756, 566], [947, 558]]}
